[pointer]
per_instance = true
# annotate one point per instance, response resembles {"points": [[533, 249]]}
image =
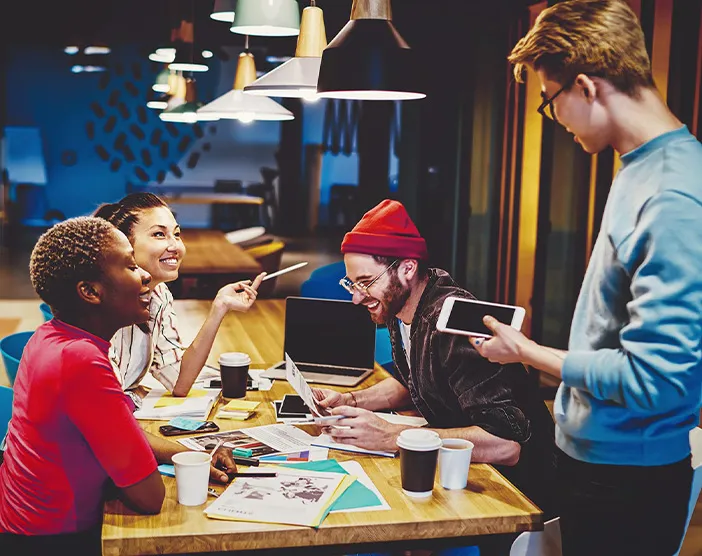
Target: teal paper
{"points": [[185, 423], [166, 469], [357, 495]]}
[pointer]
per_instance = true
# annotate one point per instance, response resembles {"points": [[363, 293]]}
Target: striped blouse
{"points": [[133, 352]]}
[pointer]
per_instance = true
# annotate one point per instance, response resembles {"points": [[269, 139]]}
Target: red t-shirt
{"points": [[72, 428]]}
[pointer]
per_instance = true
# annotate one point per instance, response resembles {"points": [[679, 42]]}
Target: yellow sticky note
{"points": [[168, 399], [241, 405]]}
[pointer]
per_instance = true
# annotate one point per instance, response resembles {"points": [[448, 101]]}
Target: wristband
{"points": [[353, 397]]}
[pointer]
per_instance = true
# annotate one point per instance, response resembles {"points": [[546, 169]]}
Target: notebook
{"points": [[331, 341]]}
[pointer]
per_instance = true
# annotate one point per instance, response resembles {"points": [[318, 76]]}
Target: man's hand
{"points": [[239, 296], [507, 345], [331, 398], [222, 463], [364, 429]]}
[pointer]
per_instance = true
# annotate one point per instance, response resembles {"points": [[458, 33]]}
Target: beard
{"points": [[394, 299]]}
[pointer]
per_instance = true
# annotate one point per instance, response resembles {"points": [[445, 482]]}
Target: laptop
{"points": [[331, 341]]}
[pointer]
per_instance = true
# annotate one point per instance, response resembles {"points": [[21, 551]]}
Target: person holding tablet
{"points": [[72, 431], [156, 346], [458, 392]]}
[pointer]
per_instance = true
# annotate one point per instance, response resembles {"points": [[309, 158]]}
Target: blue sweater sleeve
{"points": [[657, 367]]}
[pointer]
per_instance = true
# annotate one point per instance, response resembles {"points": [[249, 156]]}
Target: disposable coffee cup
{"points": [[234, 368], [454, 462], [419, 450], [192, 474]]}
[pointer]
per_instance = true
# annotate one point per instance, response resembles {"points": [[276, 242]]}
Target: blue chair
{"points": [[11, 348], [383, 349], [5, 409], [46, 312], [323, 283]]}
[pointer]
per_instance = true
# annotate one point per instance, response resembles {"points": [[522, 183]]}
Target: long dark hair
{"points": [[124, 214]]}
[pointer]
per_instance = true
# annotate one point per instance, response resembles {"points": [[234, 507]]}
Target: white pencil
{"points": [[289, 269]]}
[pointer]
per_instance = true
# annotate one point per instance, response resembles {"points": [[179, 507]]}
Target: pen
{"points": [[239, 460], [212, 492], [255, 474], [328, 418], [219, 443]]}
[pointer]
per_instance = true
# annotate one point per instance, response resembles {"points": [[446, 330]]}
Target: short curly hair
{"points": [[68, 253]]}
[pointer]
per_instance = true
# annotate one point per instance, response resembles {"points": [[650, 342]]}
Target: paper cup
{"points": [[192, 474], [234, 368], [419, 450], [454, 462]]}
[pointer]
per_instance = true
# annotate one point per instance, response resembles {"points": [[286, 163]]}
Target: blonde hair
{"points": [[599, 38]]}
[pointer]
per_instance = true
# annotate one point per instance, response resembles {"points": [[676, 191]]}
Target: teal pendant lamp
{"points": [[183, 106], [223, 11], [297, 78], [268, 18]]}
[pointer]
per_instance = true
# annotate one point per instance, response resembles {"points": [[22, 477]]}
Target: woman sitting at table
{"points": [[72, 429], [156, 347]]}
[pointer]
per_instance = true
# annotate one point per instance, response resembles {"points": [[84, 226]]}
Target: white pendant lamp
{"points": [[223, 11], [235, 105], [297, 78], [268, 18], [183, 105], [368, 59]]}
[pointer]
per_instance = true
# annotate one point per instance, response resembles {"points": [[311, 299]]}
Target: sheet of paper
{"points": [[265, 440], [285, 438], [403, 419], [299, 384], [325, 441], [356, 469], [195, 407]]}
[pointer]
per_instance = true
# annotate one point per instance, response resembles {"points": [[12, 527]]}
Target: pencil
{"points": [[255, 474]]}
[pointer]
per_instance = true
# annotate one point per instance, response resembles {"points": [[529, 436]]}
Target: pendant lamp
{"points": [[269, 18], [297, 78], [187, 57], [368, 59], [235, 105], [223, 11], [183, 106], [157, 101], [161, 85]]}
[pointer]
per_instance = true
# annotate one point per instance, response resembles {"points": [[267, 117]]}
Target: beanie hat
{"points": [[387, 231]]}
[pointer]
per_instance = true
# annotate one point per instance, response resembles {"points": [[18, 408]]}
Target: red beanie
{"points": [[387, 231]]}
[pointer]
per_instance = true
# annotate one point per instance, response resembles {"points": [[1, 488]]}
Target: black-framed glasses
{"points": [[353, 287], [546, 107]]}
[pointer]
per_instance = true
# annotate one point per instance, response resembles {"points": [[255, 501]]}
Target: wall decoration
{"points": [[69, 158]]}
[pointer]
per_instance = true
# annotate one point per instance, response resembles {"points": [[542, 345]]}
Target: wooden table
{"points": [[490, 504], [211, 262], [211, 199]]}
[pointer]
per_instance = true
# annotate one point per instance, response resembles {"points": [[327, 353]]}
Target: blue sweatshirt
{"points": [[632, 379]]}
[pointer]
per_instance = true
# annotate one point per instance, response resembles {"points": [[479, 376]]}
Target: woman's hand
{"points": [[507, 345], [239, 296]]}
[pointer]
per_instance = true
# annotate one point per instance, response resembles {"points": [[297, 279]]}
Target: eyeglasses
{"points": [[546, 107], [353, 287]]}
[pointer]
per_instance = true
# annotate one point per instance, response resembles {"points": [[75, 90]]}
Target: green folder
{"points": [[357, 495]]}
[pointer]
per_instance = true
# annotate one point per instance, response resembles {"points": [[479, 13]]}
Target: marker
{"points": [[328, 418], [244, 452], [255, 474], [245, 461], [289, 269]]}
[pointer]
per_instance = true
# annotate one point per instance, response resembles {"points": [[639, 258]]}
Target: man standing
{"points": [[458, 392], [632, 374]]}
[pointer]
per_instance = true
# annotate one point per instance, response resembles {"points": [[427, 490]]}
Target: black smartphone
{"points": [[170, 430], [293, 406]]}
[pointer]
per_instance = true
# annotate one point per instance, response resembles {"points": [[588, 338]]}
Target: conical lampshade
{"points": [[270, 18], [235, 105], [297, 78], [223, 10], [368, 59], [188, 58], [157, 101], [185, 109], [161, 85]]}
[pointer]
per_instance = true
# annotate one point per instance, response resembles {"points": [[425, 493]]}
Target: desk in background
{"points": [[490, 504]]}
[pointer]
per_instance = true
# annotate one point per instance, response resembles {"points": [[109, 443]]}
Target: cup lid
{"points": [[234, 358], [420, 440]]}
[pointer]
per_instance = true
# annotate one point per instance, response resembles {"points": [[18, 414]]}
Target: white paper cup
{"points": [[454, 462], [192, 474]]}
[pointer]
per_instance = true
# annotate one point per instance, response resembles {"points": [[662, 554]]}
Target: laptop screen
{"points": [[329, 332]]}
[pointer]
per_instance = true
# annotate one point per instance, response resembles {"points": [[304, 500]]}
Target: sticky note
{"points": [[167, 469], [241, 405], [186, 424], [168, 399]]}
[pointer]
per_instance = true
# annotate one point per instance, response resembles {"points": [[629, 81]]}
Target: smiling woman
{"points": [[156, 347]]}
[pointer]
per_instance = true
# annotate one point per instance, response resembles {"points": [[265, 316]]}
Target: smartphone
{"points": [[170, 430], [293, 406], [465, 316]]}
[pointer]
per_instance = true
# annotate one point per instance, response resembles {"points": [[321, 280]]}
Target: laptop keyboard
{"points": [[327, 370]]}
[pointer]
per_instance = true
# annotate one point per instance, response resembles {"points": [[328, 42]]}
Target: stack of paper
{"points": [[160, 405], [238, 409], [293, 497]]}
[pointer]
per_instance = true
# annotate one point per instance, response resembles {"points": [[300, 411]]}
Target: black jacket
{"points": [[452, 385]]}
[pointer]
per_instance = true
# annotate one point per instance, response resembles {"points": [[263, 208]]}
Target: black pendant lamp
{"points": [[368, 59]]}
